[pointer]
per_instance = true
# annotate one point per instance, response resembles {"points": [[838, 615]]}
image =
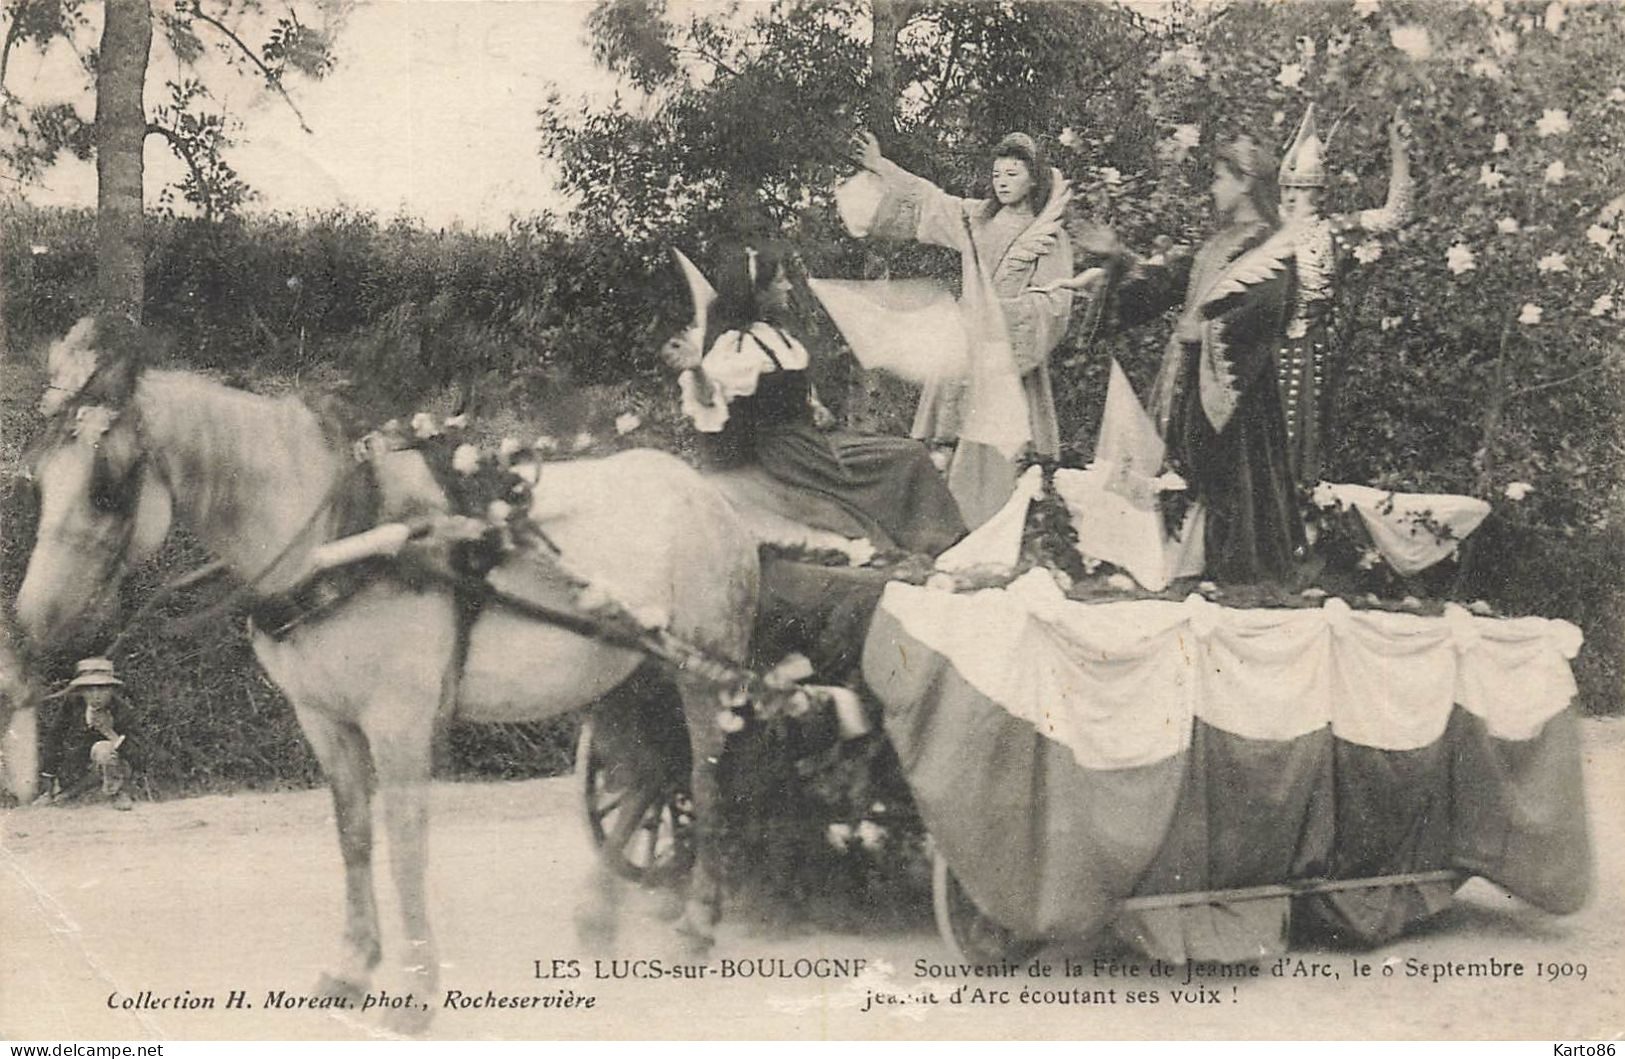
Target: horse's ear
{"points": [[69, 364]]}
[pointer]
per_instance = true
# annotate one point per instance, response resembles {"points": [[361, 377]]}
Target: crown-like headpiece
{"points": [[1302, 167]]}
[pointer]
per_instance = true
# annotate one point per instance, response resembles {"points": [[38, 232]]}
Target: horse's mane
{"points": [[220, 446]]}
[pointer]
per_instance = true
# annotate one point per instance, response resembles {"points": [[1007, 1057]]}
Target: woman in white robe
{"points": [[1009, 243]]}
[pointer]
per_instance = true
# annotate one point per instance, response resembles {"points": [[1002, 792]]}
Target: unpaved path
{"points": [[242, 892]]}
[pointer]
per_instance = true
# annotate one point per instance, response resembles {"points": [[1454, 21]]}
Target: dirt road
{"points": [[201, 897]]}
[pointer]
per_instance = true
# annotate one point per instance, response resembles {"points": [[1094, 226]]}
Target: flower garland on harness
{"points": [[491, 491]]}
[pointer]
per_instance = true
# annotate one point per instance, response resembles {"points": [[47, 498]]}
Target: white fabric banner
{"points": [[1119, 683]]}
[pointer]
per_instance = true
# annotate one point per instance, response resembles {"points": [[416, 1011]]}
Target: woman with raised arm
{"points": [[751, 398], [1009, 243], [1304, 368]]}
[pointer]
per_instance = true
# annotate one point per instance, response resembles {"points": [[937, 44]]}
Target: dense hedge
{"points": [[524, 323]]}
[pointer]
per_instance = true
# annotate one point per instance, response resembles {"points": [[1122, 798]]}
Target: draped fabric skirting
{"points": [[1066, 757]]}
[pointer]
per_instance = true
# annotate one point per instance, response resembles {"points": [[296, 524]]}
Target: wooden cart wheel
{"points": [[969, 934], [644, 829]]}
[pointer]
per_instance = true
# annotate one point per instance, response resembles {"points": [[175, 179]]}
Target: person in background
{"points": [[89, 743], [1306, 372]]}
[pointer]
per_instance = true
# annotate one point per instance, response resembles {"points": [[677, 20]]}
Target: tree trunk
{"points": [[863, 387], [121, 132], [882, 102]]}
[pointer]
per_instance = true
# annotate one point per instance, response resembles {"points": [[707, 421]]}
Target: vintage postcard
{"points": [[811, 520]]}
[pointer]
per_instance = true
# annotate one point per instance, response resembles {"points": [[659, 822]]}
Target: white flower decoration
{"points": [[1481, 608], [424, 426], [860, 552], [547, 443], [627, 422], [1278, 117], [1490, 177], [1599, 235], [1553, 122], [1411, 39], [1291, 75], [730, 722], [1556, 172], [870, 834], [703, 403], [1531, 313], [1110, 175], [466, 459], [1603, 305], [457, 422], [839, 835], [1502, 143], [498, 511], [36, 249], [1122, 582], [581, 441], [1191, 55], [1517, 490], [1368, 251], [1369, 559], [1069, 138], [1553, 263], [1459, 258], [508, 448], [1391, 322], [1187, 135], [1507, 225]]}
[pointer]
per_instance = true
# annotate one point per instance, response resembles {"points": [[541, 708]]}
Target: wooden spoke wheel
{"points": [[643, 826], [967, 931]]}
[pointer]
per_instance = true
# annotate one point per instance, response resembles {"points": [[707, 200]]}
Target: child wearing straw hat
{"points": [[106, 712]]}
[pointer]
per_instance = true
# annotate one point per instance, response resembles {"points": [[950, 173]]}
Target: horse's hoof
{"points": [[668, 906], [696, 938], [408, 1021], [341, 988], [597, 927]]}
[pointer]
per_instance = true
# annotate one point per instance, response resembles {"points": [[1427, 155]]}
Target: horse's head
{"points": [[103, 505]]}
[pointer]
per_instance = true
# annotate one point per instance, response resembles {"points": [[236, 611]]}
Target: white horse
{"points": [[250, 475]]}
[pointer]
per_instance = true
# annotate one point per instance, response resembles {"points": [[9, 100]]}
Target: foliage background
{"points": [[734, 127]]}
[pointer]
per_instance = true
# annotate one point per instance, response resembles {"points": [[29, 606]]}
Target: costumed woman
{"points": [[1004, 401], [751, 398], [1215, 399], [1305, 374]]}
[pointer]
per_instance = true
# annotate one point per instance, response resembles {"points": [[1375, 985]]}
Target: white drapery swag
{"points": [[1119, 683]]}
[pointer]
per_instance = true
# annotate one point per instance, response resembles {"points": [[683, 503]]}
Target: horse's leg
{"points": [[402, 752], [704, 905], [342, 751]]}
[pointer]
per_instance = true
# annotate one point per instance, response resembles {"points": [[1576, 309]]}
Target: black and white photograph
{"points": [[864, 520]]}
